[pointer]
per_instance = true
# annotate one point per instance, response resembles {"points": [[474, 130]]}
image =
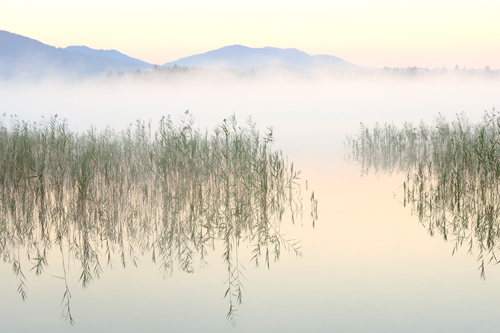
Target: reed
{"points": [[176, 193], [453, 176]]}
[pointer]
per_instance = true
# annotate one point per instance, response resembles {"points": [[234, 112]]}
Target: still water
{"points": [[368, 264]]}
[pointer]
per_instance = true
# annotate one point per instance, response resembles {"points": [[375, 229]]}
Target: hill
{"points": [[25, 57], [244, 58], [110, 54]]}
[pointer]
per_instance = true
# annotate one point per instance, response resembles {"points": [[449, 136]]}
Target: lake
{"points": [[367, 265]]}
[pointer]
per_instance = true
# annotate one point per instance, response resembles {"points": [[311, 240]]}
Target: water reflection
{"points": [[453, 176], [104, 198]]}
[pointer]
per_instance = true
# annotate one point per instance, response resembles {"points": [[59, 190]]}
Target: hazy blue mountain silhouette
{"points": [[26, 57], [244, 58], [111, 54]]}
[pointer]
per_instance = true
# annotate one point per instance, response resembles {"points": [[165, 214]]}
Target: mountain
{"points": [[25, 57], [110, 54], [244, 58]]}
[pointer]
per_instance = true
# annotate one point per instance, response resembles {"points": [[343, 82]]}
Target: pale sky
{"points": [[393, 33]]}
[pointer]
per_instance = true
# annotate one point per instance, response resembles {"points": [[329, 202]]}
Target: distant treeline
{"points": [[160, 72], [418, 71]]}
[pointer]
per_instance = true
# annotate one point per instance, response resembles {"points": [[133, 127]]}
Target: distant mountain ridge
{"points": [[243, 58], [110, 54], [26, 57]]}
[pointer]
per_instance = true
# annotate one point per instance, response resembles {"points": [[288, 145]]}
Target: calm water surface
{"points": [[368, 265]]}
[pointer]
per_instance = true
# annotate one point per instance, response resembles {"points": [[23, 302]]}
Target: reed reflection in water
{"points": [[102, 198], [453, 176]]}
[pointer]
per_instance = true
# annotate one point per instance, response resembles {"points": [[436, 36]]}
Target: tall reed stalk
{"points": [[453, 176], [105, 197]]}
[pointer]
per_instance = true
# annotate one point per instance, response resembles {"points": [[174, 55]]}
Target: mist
{"points": [[305, 112], [366, 253]]}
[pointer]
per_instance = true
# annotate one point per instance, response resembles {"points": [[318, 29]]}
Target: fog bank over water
{"points": [[305, 113], [367, 253]]}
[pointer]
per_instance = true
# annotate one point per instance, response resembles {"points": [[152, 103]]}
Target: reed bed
{"points": [[104, 197], [453, 176]]}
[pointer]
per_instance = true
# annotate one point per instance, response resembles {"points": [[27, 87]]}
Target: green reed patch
{"points": [[104, 197], [453, 176]]}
